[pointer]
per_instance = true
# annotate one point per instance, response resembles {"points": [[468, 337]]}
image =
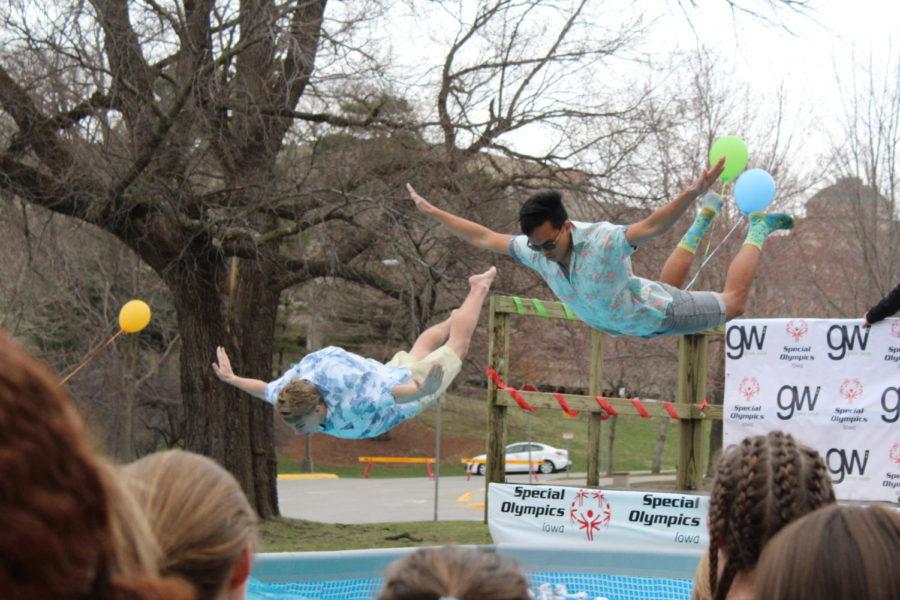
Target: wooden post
{"points": [[498, 359], [594, 422], [692, 370]]}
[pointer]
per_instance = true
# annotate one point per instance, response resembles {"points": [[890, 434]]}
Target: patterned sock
{"points": [[709, 208], [761, 225]]}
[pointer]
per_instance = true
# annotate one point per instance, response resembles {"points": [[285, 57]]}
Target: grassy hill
{"points": [[464, 434]]}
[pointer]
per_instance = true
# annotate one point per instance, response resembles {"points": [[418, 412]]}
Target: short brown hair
{"points": [[299, 397], [761, 485], [464, 574], [836, 552]]}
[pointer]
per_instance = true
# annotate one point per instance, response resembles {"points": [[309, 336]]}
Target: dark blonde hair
{"points": [[834, 553], [760, 485], [67, 526], [300, 396], [199, 515], [464, 574], [701, 590]]}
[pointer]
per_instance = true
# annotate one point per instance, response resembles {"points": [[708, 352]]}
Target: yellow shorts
{"points": [[443, 356]]}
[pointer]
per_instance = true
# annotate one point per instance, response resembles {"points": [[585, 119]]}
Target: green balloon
{"points": [[734, 150]]}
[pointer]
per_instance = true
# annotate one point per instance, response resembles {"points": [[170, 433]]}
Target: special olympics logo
{"points": [[797, 328], [895, 328], [895, 453], [851, 390], [749, 387], [590, 520]]}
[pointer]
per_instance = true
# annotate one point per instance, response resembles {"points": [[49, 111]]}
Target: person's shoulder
{"points": [[596, 230], [589, 226]]}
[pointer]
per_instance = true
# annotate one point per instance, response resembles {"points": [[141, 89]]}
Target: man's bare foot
{"points": [[483, 279]]}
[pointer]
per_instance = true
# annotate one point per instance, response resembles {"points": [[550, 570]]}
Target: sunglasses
{"points": [[551, 245]]}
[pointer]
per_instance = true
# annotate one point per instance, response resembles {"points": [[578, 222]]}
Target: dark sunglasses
{"points": [[551, 245]]}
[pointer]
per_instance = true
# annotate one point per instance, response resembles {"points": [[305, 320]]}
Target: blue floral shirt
{"points": [[599, 285], [357, 392]]}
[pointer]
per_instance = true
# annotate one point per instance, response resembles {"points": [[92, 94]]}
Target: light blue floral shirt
{"points": [[357, 392], [599, 285]]}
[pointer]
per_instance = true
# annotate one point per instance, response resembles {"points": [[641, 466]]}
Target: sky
{"points": [[806, 53]]}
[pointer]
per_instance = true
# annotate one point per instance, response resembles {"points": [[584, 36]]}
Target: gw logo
{"points": [[790, 399], [739, 341], [891, 411], [840, 465], [840, 341]]}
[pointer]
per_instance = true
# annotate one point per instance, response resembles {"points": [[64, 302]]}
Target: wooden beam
{"points": [[594, 421], [498, 359], [692, 371], [623, 406], [554, 310]]}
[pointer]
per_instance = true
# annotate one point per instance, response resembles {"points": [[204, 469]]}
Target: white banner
{"points": [[557, 515], [830, 383]]}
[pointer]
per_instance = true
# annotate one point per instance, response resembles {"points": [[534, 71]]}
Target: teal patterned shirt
{"points": [[599, 285], [357, 392]]}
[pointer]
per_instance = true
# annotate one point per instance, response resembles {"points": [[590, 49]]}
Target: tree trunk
{"points": [[245, 446]]}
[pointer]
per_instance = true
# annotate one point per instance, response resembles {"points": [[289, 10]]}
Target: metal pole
{"points": [[530, 469], [437, 455]]}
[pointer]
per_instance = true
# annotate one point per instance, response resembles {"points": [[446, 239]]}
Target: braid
{"points": [[819, 489], [761, 485], [785, 473], [749, 507], [719, 505], [728, 575]]}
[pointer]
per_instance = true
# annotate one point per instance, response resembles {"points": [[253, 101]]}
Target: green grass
{"points": [[635, 439], [294, 535]]}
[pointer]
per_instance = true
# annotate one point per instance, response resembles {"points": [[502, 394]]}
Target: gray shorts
{"points": [[691, 312]]}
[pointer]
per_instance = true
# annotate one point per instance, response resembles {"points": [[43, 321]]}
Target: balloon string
{"points": [[713, 253], [91, 356], [723, 195]]}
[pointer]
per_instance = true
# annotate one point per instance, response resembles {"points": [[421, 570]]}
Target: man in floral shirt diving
{"points": [[588, 265], [345, 395]]}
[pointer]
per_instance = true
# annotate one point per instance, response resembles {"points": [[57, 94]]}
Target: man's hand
{"points": [[432, 381], [222, 369], [421, 203], [708, 178]]}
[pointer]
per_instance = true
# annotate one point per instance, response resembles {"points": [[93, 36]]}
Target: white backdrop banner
{"points": [[830, 383], [557, 515]]}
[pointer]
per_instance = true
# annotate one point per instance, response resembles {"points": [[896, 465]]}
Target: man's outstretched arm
{"points": [[223, 371], [473, 233], [665, 216], [888, 306]]}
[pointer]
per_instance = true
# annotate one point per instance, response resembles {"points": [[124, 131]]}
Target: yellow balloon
{"points": [[134, 316]]}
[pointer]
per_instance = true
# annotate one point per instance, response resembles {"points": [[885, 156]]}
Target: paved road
{"points": [[403, 499]]}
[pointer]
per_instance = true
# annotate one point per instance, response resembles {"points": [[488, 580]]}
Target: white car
{"points": [[547, 458]]}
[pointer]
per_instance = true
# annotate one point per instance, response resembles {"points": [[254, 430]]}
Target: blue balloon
{"points": [[754, 191]]}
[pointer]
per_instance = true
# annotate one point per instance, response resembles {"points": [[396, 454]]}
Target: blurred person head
{"points": [[760, 485], [69, 529], [834, 553], [201, 519], [453, 572]]}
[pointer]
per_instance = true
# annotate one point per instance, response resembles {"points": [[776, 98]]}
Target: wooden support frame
{"points": [[692, 378]]}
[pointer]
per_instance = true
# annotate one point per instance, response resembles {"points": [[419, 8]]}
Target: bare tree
{"points": [[206, 136]]}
